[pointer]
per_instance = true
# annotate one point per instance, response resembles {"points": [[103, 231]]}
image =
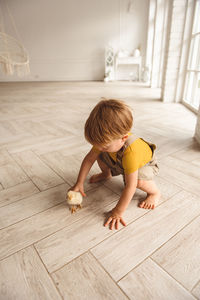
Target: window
{"points": [[191, 94]]}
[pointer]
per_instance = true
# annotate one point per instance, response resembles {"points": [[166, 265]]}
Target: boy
{"points": [[117, 151]]}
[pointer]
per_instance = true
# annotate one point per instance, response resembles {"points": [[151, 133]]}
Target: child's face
{"points": [[113, 146]]}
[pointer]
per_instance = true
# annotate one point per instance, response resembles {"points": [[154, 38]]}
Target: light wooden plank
{"points": [[6, 141], [41, 225], [172, 145], [68, 167], [186, 182], [76, 148], [35, 128], [26, 142], [196, 291], [183, 166], [26, 232], [53, 127], [141, 238], [3, 131], [74, 123], [7, 129], [149, 281], [77, 239], [196, 162], [55, 144], [5, 158], [16, 127], [11, 174], [12, 128], [23, 277], [93, 281], [27, 207], [17, 192], [190, 153], [20, 113], [180, 256], [143, 130], [40, 173]]}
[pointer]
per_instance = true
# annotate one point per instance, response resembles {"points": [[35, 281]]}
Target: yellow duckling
{"points": [[74, 199]]}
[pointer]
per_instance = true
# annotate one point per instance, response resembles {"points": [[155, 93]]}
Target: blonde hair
{"points": [[109, 120]]}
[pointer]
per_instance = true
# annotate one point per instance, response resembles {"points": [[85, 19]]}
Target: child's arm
{"points": [[126, 196], [86, 165]]}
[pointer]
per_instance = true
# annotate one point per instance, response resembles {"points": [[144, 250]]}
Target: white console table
{"points": [[130, 60]]}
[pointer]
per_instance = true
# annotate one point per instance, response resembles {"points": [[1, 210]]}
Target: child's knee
{"points": [[140, 183]]}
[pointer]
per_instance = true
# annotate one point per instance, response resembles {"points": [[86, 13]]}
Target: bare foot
{"points": [[151, 201], [99, 177]]}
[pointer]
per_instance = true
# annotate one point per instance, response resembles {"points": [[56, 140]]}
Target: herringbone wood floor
{"points": [[47, 253]]}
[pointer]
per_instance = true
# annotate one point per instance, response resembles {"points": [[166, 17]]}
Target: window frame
{"points": [[193, 72]]}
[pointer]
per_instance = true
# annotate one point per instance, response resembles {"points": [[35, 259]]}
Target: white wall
{"points": [[197, 129], [66, 38]]}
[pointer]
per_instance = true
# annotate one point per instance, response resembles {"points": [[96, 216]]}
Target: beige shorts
{"points": [[147, 172]]}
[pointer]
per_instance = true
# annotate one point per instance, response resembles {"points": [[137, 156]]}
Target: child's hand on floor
{"points": [[114, 220], [78, 188]]}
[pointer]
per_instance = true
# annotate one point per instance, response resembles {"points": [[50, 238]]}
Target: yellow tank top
{"points": [[135, 156]]}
